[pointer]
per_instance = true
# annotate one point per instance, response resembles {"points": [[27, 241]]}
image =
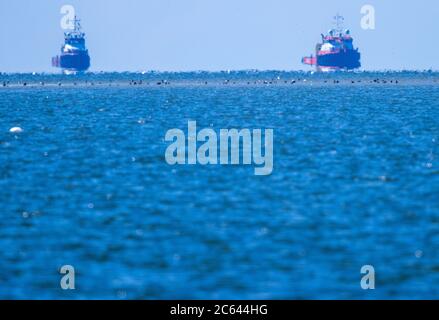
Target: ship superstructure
{"points": [[74, 55], [336, 51]]}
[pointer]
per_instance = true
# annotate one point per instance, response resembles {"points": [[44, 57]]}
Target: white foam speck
{"points": [[16, 130]]}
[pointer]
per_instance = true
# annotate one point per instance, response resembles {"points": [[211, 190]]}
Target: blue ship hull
{"points": [[75, 61], [348, 60]]}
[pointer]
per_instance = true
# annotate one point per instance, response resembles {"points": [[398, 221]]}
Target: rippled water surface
{"points": [[355, 182]]}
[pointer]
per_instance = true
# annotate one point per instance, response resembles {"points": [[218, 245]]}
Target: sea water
{"points": [[355, 182]]}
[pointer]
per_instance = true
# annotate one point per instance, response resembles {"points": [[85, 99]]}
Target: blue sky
{"points": [[181, 35]]}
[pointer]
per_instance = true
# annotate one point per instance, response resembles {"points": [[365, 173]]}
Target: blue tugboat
{"points": [[74, 56], [336, 52]]}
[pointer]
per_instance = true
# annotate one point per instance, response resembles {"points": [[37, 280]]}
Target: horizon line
{"points": [[431, 70]]}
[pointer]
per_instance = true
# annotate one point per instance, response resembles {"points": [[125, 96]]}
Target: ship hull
{"points": [[347, 60], [75, 62]]}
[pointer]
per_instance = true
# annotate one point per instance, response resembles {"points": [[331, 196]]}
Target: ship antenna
{"points": [[338, 21], [77, 24]]}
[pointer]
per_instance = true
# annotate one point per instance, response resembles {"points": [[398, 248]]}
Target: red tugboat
{"points": [[336, 52]]}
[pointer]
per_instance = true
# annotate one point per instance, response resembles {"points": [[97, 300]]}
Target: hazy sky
{"points": [[180, 35]]}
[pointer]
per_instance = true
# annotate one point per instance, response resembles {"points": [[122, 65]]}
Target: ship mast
{"points": [[76, 25], [338, 22], [76, 32]]}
